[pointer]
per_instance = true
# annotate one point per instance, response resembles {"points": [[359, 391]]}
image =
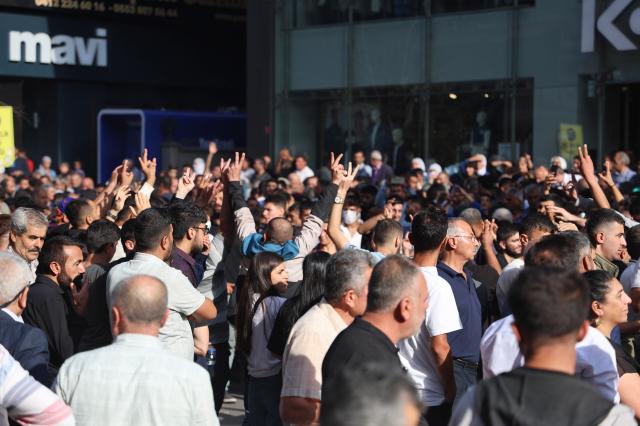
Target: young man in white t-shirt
{"points": [[427, 355]]}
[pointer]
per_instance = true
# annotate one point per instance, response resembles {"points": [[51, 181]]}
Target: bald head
{"points": [[141, 299], [279, 230]]}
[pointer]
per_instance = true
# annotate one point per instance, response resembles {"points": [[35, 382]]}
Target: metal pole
{"points": [[349, 94], [426, 98], [514, 74]]}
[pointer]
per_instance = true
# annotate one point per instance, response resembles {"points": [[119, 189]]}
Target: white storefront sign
{"points": [[62, 49], [606, 26]]}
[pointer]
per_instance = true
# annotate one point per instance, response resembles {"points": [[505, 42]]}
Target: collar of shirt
{"points": [[184, 256], [365, 325], [138, 340], [452, 273], [48, 282], [13, 316], [146, 257]]}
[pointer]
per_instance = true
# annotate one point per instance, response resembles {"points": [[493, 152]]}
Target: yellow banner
{"points": [[570, 139], [7, 146]]}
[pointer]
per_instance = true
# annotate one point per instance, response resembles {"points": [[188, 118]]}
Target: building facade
{"points": [[63, 61], [446, 78]]}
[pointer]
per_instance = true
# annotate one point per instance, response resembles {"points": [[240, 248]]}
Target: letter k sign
{"points": [[605, 25]]}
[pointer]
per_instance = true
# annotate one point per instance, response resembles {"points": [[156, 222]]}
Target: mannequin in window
{"points": [[379, 136], [400, 155], [334, 135], [480, 138]]}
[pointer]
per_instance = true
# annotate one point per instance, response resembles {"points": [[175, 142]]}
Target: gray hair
{"points": [[471, 215], [391, 280], [453, 226], [503, 214], [24, 217], [355, 398], [15, 277], [141, 299], [580, 242], [624, 158], [345, 271]]}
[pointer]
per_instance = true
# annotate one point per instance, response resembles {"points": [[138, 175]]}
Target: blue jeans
{"points": [[264, 401], [465, 375]]}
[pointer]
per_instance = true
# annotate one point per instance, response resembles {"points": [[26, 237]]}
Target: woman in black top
{"points": [[609, 308]]}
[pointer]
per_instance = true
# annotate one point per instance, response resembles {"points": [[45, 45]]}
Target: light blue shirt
{"points": [[135, 381]]}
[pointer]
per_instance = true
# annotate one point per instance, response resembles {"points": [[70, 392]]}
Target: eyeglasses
{"points": [[205, 229], [472, 237]]}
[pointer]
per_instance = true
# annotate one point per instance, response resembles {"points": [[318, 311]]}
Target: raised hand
{"points": [[126, 175], [142, 203], [185, 184], [213, 148], [489, 231], [148, 167], [337, 169], [348, 176], [121, 196], [586, 163], [224, 166], [235, 168], [605, 175]]}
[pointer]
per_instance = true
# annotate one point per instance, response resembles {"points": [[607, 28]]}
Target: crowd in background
{"points": [[484, 292]]}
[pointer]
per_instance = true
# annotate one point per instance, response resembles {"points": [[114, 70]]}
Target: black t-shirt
{"points": [[357, 344], [528, 396], [626, 364]]}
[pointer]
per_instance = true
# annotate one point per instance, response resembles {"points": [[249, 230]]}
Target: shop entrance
{"points": [[623, 117]]}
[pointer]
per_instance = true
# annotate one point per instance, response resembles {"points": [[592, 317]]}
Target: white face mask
{"points": [[349, 217]]}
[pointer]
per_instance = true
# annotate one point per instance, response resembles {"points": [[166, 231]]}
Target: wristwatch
{"points": [[338, 200]]}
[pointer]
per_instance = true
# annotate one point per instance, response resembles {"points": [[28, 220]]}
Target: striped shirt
{"points": [[27, 401]]}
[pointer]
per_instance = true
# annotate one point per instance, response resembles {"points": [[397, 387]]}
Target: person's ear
{"points": [[404, 309], [191, 233], [116, 321], [516, 332], [164, 318], [582, 332], [502, 245], [55, 268], [12, 237], [350, 298], [164, 242], [597, 308], [524, 240], [22, 299], [600, 238], [111, 250], [130, 245], [265, 237]]}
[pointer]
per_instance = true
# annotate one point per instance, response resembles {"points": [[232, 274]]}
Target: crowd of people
{"points": [[480, 293]]}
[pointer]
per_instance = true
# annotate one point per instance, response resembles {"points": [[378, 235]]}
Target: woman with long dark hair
{"points": [[258, 306], [309, 293], [609, 308]]}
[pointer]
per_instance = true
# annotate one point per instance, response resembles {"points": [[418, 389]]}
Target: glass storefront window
{"points": [[325, 12]]}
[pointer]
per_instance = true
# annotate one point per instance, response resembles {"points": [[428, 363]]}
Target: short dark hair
{"points": [[278, 200], [429, 229], [128, 231], [53, 251], [185, 215], [151, 225], [77, 211], [279, 230], [353, 396], [536, 221], [391, 278], [599, 218], [100, 234], [386, 231], [5, 223], [506, 230], [557, 250], [352, 201], [549, 303], [633, 242]]}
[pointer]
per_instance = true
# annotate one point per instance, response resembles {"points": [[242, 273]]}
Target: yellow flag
{"points": [[570, 138], [7, 146]]}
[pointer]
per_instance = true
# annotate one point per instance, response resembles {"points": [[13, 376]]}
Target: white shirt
{"points": [[263, 363], [505, 281], [13, 316], [305, 173], [416, 352], [135, 381], [355, 239], [595, 357], [183, 301]]}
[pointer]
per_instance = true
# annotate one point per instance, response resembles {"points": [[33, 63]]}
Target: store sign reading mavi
{"points": [[62, 49], [606, 26]]}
